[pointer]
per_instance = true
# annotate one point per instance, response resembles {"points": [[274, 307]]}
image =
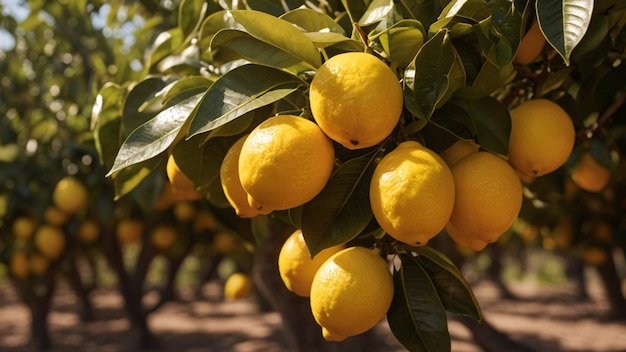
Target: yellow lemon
{"points": [[356, 99], [458, 150], [238, 286], [184, 211], [88, 231], [542, 137], [38, 264], [594, 256], [488, 196], [182, 186], [531, 45], [231, 184], [351, 292], [164, 237], [285, 162], [590, 175], [225, 243], [129, 231], [70, 195], [412, 193], [464, 239], [204, 221], [55, 216], [24, 227], [296, 266], [50, 241], [18, 265]]}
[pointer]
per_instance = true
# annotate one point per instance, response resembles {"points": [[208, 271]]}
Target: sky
{"points": [[16, 9]]}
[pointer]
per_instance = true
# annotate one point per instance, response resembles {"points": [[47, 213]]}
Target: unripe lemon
{"points": [[24, 227], [531, 45], [163, 237], [50, 241], [238, 286], [129, 231], [412, 193], [465, 240], [70, 195], [296, 266], [38, 264], [231, 184], [356, 99], [182, 186], [285, 162], [18, 265], [488, 196], [351, 292], [458, 150], [88, 231], [542, 137], [590, 175]]}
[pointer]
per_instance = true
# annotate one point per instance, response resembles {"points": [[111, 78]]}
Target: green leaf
{"points": [[166, 44], [341, 211], [127, 179], [564, 23], [155, 136], [106, 122], [454, 291], [143, 101], [425, 11], [417, 317], [312, 21], [433, 76], [190, 13], [239, 91], [280, 34], [185, 84], [376, 12], [401, 41]]}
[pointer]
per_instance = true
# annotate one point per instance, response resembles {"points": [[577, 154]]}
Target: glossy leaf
{"points": [[564, 23], [186, 84], [376, 12], [417, 317], [127, 179], [190, 14], [106, 122], [312, 21], [425, 11]]}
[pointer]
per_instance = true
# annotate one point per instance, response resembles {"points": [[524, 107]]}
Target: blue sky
{"points": [[16, 9]]}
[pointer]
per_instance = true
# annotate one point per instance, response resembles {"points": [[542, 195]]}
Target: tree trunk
{"points": [[489, 338], [613, 287]]}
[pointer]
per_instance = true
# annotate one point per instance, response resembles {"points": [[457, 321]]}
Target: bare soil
{"points": [[545, 318]]}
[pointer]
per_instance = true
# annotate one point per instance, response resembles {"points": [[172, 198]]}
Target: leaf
{"points": [[312, 21], [185, 84], [155, 136], [564, 23], [425, 11], [166, 44], [341, 210], [432, 76], [190, 13], [454, 291], [127, 179], [376, 12], [106, 122], [239, 91], [417, 317], [280, 34]]}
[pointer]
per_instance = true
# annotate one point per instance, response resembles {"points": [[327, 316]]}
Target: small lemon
{"points": [[182, 186], [50, 241], [351, 292], [285, 162], [18, 265], [24, 227], [38, 264], [458, 150], [531, 45], [164, 237], [88, 231], [238, 286], [55, 216], [412, 193], [594, 256], [296, 266], [70, 195], [464, 239], [356, 99], [542, 137], [590, 175], [184, 211], [231, 184], [129, 231]]}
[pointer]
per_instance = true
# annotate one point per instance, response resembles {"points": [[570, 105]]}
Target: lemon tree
{"points": [[260, 71]]}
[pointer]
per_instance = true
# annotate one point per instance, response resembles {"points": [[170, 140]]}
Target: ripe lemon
{"points": [[231, 184], [88, 231], [464, 239], [458, 150], [24, 227], [563, 233], [129, 231], [225, 243], [184, 211], [50, 241], [182, 187], [594, 256], [285, 162], [296, 266], [590, 175], [356, 99], [18, 265], [164, 237], [412, 193], [70, 195], [542, 137], [204, 221], [488, 196], [55, 216], [238, 286], [531, 45], [167, 198], [351, 292], [38, 264]]}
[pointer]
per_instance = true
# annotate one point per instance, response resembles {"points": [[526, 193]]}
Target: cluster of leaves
{"points": [[226, 67]]}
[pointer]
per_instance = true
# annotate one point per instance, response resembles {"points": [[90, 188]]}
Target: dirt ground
{"points": [[546, 319]]}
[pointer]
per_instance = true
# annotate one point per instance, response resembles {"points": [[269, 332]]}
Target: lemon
{"points": [[182, 186], [356, 99], [167, 198], [70, 195], [50, 241], [594, 256], [563, 233], [18, 265], [488, 196], [458, 150], [465, 240], [542, 137], [184, 211], [231, 184], [24, 227], [285, 162], [38, 264], [238, 286], [296, 266], [129, 231], [164, 237], [204, 221], [88, 231], [225, 243], [55, 216], [590, 175], [531, 45], [412, 193], [351, 292]]}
